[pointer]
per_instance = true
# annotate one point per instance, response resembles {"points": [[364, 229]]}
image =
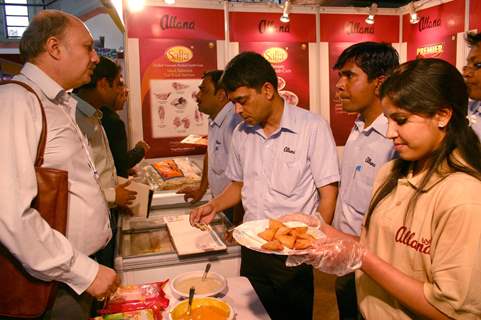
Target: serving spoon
{"points": [[191, 297], [207, 268]]}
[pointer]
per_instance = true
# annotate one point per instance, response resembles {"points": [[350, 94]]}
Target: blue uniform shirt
{"points": [[475, 110], [219, 142], [281, 174], [366, 150]]}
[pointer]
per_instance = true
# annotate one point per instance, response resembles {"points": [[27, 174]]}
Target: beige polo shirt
{"points": [[438, 244]]}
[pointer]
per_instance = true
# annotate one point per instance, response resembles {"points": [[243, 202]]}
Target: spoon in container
{"points": [[191, 297], [207, 268]]}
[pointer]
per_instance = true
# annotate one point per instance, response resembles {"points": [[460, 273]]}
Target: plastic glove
{"points": [[332, 255], [310, 220]]}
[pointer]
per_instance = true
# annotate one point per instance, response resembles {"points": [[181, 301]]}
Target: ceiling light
{"points": [[285, 12], [169, 1], [135, 5], [413, 16], [372, 13]]}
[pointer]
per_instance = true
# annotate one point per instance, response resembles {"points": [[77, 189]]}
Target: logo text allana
{"points": [[406, 237]]}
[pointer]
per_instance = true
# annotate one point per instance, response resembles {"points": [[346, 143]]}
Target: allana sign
{"points": [[176, 23]]}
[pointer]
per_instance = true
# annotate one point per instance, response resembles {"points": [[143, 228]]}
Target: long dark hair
{"points": [[424, 87]]}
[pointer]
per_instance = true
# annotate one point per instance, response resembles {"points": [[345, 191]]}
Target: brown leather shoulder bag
{"points": [[22, 295]]}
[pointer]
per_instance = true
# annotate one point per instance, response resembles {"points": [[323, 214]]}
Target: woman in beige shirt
{"points": [[419, 256]]}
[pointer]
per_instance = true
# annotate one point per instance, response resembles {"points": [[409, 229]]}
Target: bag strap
{"points": [[43, 134]]}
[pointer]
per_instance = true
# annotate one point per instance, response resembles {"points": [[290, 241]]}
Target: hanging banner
{"points": [[434, 36], [291, 62], [342, 31], [171, 71]]}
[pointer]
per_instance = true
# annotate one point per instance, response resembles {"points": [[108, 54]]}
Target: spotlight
{"points": [[285, 12], [413, 16], [372, 13], [135, 5]]}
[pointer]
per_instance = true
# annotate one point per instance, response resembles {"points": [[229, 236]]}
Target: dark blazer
{"points": [[115, 129]]}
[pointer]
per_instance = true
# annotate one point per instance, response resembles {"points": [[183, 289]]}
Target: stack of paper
{"points": [[189, 240]]}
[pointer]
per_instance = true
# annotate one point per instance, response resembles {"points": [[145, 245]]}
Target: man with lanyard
{"points": [[213, 101], [472, 76], [283, 160], [59, 55], [103, 90], [362, 69]]}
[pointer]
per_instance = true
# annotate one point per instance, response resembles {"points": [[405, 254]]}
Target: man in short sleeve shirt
{"points": [[367, 147], [472, 76], [283, 160], [212, 100]]}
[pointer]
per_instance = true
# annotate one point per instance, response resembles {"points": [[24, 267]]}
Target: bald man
{"points": [[59, 55]]}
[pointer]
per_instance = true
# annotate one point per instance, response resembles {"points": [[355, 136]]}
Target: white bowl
{"points": [[181, 283], [180, 308]]}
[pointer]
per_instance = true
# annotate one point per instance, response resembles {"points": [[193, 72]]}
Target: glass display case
{"points": [[145, 251]]}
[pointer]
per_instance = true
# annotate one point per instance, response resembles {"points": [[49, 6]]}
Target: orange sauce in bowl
{"points": [[205, 313], [202, 309]]}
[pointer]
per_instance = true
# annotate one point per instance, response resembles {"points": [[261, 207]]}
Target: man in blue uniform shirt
{"points": [[472, 75], [213, 101], [283, 160], [362, 68]]}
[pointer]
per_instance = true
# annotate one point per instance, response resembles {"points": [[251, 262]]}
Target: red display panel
{"points": [[353, 28], [184, 23], [266, 27], [435, 34], [291, 62], [475, 15], [171, 70]]}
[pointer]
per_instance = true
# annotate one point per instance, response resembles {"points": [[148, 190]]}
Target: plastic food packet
{"points": [[172, 174], [138, 297], [146, 314]]}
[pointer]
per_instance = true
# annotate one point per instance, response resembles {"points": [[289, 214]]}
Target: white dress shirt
{"points": [[365, 152], [88, 120], [44, 252], [281, 173], [219, 143]]}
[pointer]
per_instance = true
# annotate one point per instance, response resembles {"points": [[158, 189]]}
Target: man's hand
{"points": [[203, 214], [124, 197], [191, 193], [143, 145], [105, 283]]}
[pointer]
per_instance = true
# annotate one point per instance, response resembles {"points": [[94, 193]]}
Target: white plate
{"points": [[246, 235]]}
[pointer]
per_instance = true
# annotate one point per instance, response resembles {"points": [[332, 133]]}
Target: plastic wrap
{"points": [[138, 297], [172, 174]]}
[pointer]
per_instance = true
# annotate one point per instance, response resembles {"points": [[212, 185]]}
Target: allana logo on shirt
{"points": [[368, 160], [275, 55], [405, 236], [179, 54], [288, 150]]}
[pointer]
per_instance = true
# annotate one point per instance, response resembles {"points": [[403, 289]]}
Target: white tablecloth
{"points": [[240, 295]]}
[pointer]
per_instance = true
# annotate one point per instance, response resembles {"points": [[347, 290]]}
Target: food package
{"points": [[172, 174], [135, 298], [146, 314]]}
